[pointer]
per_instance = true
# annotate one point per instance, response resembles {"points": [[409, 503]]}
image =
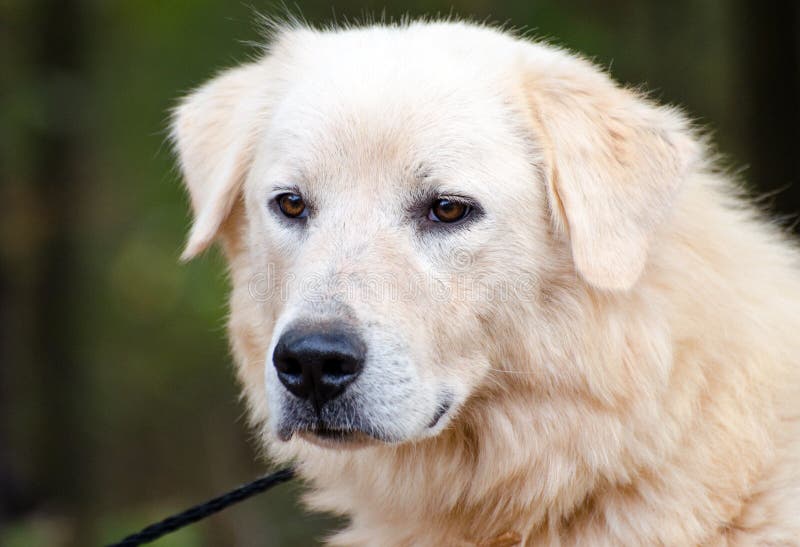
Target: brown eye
{"points": [[448, 210], [292, 205]]}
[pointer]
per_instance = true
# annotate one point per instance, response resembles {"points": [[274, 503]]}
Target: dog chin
{"points": [[347, 438], [338, 439]]}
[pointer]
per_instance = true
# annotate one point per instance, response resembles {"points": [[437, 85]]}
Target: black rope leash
{"points": [[199, 512]]}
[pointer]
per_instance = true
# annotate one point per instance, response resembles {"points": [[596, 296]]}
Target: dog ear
{"points": [[214, 130], [615, 164]]}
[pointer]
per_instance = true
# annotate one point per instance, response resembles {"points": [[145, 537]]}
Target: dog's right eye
{"points": [[448, 210], [292, 205]]}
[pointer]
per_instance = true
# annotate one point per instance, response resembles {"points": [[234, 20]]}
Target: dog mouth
{"points": [[443, 408], [343, 427]]}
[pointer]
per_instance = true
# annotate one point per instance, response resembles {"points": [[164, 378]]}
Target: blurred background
{"points": [[118, 403]]}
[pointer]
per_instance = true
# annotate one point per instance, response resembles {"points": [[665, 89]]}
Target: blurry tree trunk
{"points": [[15, 498], [768, 41], [61, 467]]}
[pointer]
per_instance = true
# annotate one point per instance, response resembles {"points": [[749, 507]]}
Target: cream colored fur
{"points": [[642, 390]]}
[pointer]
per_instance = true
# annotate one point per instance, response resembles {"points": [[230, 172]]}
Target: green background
{"points": [[118, 403]]}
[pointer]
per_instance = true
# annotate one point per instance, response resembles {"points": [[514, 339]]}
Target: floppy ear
{"points": [[615, 163], [214, 130]]}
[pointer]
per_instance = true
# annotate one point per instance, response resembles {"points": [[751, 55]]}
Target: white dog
{"points": [[484, 296]]}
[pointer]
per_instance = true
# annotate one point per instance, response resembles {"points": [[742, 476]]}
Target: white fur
{"points": [[618, 332]]}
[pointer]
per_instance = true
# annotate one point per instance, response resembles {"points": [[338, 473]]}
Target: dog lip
{"points": [[323, 432], [441, 410], [332, 432]]}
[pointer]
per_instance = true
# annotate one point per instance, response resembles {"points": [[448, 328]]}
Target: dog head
{"points": [[397, 202]]}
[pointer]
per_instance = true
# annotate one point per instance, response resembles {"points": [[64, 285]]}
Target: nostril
{"points": [[331, 368], [289, 366], [339, 367], [337, 373]]}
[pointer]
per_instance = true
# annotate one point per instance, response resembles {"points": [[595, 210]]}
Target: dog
{"points": [[482, 295]]}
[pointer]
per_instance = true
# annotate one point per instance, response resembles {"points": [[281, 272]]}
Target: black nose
{"points": [[317, 364]]}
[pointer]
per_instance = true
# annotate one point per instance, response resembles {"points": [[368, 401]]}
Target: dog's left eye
{"points": [[292, 205], [449, 210]]}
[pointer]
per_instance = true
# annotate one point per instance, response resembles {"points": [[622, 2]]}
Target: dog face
{"points": [[408, 192]]}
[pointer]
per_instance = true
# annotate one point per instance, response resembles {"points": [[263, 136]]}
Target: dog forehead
{"points": [[446, 50], [399, 98]]}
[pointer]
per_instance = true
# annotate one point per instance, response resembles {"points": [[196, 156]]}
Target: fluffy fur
{"points": [[638, 382]]}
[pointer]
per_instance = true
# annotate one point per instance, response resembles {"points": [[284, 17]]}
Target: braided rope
{"points": [[198, 512]]}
